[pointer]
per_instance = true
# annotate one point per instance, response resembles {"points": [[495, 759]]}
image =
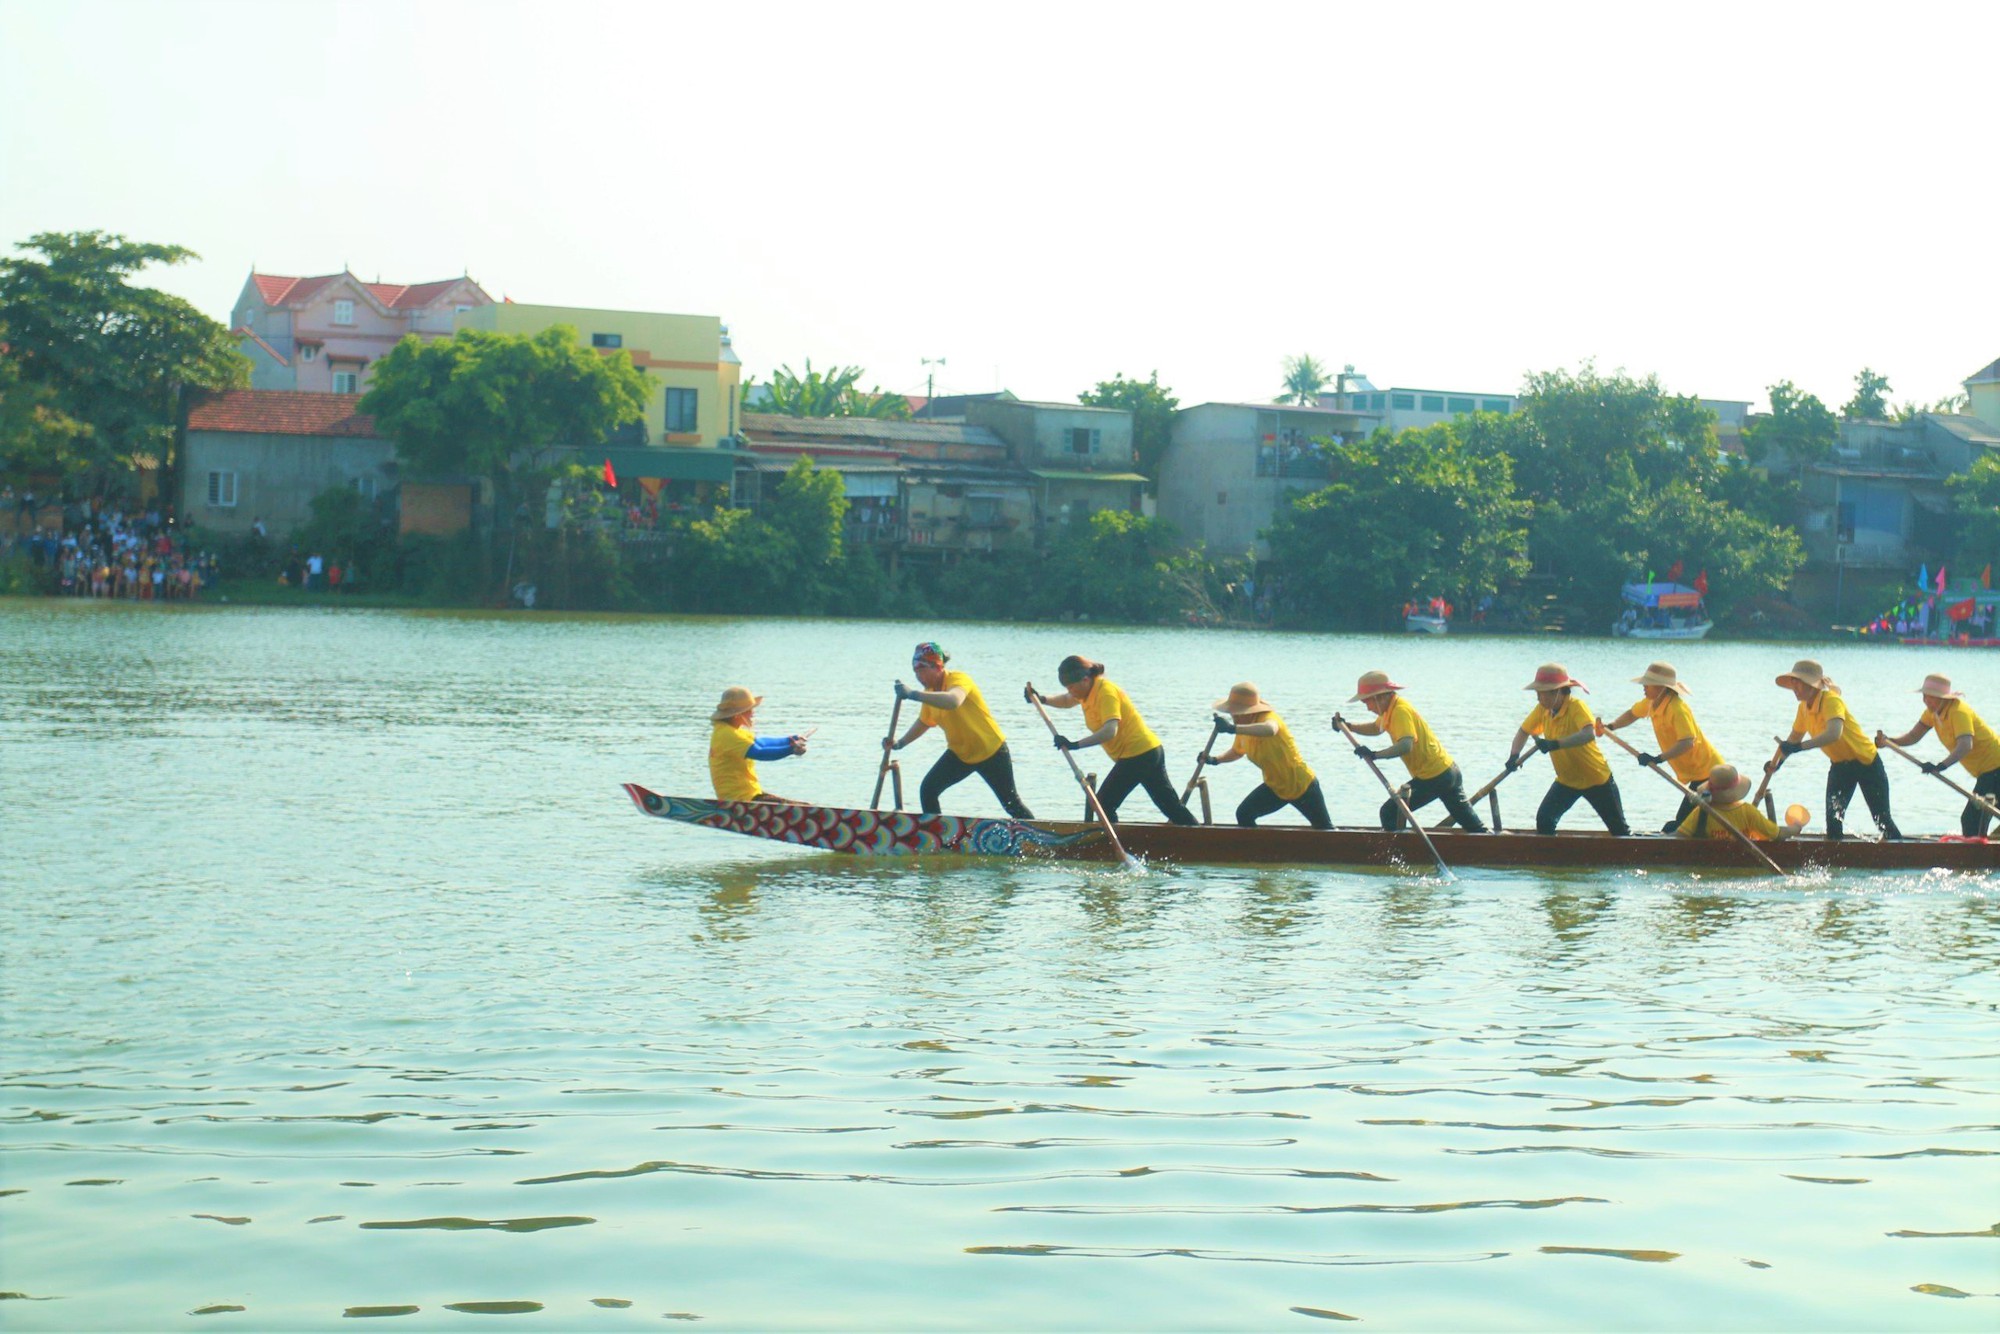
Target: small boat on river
{"points": [[871, 833], [1662, 611]]}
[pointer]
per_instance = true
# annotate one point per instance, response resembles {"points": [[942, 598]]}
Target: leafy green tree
{"points": [[1416, 512], [1975, 495], [834, 393], [787, 559], [1152, 407], [1871, 398], [1585, 431], [103, 365], [478, 401], [1305, 377], [1119, 566], [1799, 428]]}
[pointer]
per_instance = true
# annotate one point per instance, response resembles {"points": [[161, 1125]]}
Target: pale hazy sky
{"points": [[1044, 195]]}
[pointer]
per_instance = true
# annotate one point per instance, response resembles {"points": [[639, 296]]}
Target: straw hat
{"points": [[1243, 701], [1554, 676], [735, 700], [1807, 673], [1372, 684], [1939, 685], [1726, 787], [1662, 674]]}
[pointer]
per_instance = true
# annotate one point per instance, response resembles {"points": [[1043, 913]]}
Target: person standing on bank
{"points": [[1678, 735], [734, 749], [974, 743], [1138, 758], [1264, 740], [1968, 741], [1433, 776], [1563, 728], [1823, 723]]}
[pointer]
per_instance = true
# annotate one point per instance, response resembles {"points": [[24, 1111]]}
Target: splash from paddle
{"points": [[1110, 830]]}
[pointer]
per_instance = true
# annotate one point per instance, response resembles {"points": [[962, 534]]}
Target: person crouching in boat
{"points": [[973, 741], [1138, 758], [1969, 741], [1433, 776], [1726, 790], [1563, 728], [1679, 737], [1264, 740], [1823, 723], [734, 749]]}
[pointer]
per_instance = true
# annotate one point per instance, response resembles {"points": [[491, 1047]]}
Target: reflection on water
{"points": [[368, 997]]}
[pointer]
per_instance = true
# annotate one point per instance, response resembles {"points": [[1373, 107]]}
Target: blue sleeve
{"points": [[770, 748]]}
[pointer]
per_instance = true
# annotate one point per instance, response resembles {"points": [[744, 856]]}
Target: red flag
{"points": [[1940, 579], [1674, 572], [1962, 611], [1986, 577], [1701, 583], [610, 477]]}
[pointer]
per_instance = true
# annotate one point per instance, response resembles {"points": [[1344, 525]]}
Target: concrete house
{"points": [[252, 454], [1230, 466], [1982, 392], [322, 335], [1875, 500], [1080, 457]]}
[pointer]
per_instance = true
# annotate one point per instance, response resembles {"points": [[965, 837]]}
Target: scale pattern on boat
{"points": [[864, 833]]}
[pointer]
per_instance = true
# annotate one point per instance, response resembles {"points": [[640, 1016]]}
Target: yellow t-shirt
{"points": [[1580, 767], [1277, 758], [1743, 815], [1426, 757], [969, 730], [1673, 721], [1959, 720], [1812, 719], [730, 767], [1105, 702]]}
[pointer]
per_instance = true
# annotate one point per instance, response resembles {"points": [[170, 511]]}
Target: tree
{"points": [[834, 393], [1152, 407], [1416, 512], [1586, 431], [1304, 378], [474, 402], [1975, 495], [787, 559], [1871, 398], [98, 367], [1799, 427]]}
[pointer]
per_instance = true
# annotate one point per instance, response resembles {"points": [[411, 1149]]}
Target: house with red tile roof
{"points": [[254, 454], [322, 334]]}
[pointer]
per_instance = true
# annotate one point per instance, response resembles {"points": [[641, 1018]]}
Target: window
{"points": [[1404, 401], [1433, 403], [343, 312], [607, 340], [1459, 404], [1084, 440], [345, 382], [461, 310], [308, 352], [222, 490], [682, 406], [366, 487], [1495, 405]]}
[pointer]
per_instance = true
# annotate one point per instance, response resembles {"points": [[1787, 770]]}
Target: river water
{"points": [[340, 980]]}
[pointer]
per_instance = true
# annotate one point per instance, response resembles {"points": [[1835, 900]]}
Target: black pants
{"points": [[1447, 787], [1603, 799], [997, 769], [1842, 777], [1150, 772], [1686, 807], [1262, 801], [1972, 821]]}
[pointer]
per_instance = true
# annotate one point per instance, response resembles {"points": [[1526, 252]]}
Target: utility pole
{"points": [[930, 379]]}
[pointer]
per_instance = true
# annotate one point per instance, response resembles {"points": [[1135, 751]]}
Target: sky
{"points": [[1043, 196]]}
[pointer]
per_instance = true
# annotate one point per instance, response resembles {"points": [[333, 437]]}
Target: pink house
{"points": [[321, 335]]}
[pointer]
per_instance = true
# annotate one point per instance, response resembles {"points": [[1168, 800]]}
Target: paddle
{"points": [[1699, 800], [1090, 793], [1394, 795], [1484, 792], [1777, 762], [1970, 796], [875, 802], [1200, 760]]}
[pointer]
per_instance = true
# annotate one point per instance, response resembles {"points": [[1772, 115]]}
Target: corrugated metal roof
{"points": [[771, 428], [1070, 475]]}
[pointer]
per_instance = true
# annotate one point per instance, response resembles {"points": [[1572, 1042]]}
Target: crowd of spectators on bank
{"points": [[96, 549]]}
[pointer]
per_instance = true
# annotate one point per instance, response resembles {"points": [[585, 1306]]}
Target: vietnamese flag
{"points": [[1674, 572], [1701, 583], [610, 477], [1962, 611]]}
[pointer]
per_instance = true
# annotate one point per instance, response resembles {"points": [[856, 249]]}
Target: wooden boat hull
{"points": [[902, 833]]}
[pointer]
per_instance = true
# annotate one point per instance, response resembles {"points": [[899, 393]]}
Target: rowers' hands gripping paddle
{"points": [[1064, 743], [902, 692], [1791, 748], [1647, 758], [1225, 724], [1362, 752], [1513, 763], [1545, 746]]}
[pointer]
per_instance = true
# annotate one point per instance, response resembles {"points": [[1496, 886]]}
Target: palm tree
{"points": [[829, 394], [1304, 378]]}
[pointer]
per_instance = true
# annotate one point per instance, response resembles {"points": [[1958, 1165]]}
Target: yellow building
{"points": [[693, 382]]}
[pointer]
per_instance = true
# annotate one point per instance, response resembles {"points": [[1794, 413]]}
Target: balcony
{"points": [[1304, 461], [1895, 460]]}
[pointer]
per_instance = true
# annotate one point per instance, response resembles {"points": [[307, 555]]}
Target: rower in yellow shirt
{"points": [[1433, 775], [973, 741], [1852, 760], [1968, 741], [734, 749], [1726, 790], [1138, 758], [1264, 740], [1563, 728], [1678, 735]]}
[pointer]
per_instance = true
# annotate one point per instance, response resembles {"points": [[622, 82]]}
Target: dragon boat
{"points": [[875, 833]]}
